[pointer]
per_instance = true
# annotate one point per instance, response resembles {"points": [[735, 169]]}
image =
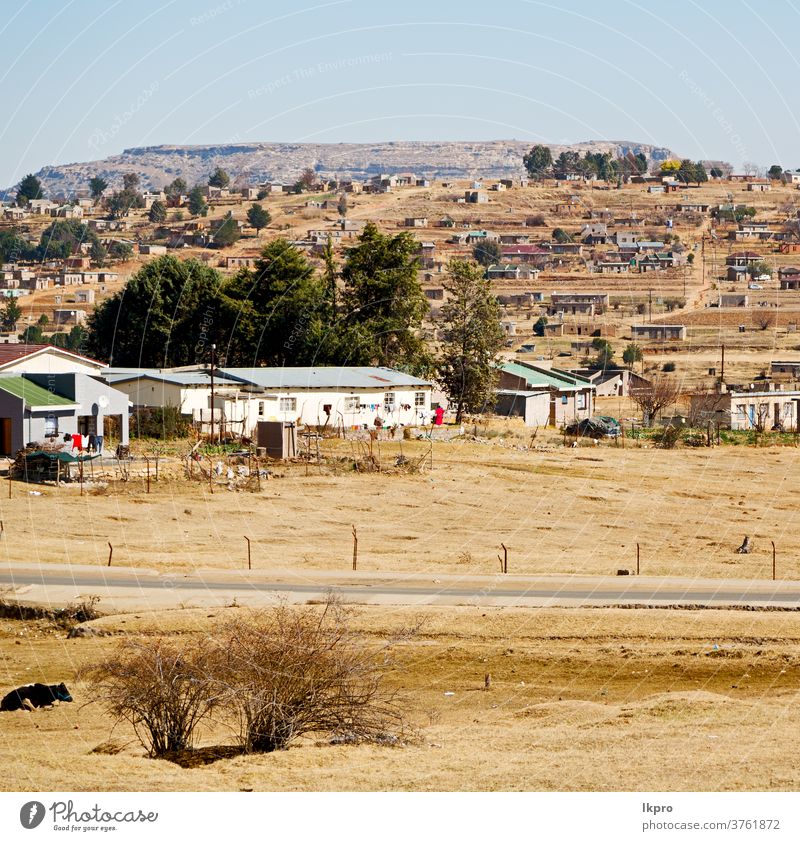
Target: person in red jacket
{"points": [[438, 416]]}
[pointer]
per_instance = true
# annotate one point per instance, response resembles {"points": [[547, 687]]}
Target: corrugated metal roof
{"points": [[181, 378], [546, 378], [327, 377], [32, 394]]}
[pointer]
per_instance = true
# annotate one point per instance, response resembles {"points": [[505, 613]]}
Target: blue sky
{"points": [[84, 79]]}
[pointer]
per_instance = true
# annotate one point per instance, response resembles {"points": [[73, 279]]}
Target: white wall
{"points": [[51, 363], [309, 408]]}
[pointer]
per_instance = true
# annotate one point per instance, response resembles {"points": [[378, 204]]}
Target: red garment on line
{"points": [[76, 442]]}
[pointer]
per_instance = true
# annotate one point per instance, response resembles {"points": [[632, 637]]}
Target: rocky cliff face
{"points": [[252, 163]]}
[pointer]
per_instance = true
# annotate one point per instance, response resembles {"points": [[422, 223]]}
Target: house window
{"points": [[50, 426], [288, 404], [261, 408], [388, 401], [419, 399], [564, 400], [351, 404], [581, 400]]}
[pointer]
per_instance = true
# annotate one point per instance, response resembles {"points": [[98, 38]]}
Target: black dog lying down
{"points": [[34, 695]]}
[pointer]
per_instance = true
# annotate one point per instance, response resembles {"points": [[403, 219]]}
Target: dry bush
{"points": [[659, 394], [293, 671], [764, 320], [162, 688]]}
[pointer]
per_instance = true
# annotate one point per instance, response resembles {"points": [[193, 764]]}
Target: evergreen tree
{"points": [[538, 162], [165, 315], [158, 212], [258, 217], [97, 186], [219, 178], [29, 188], [384, 301], [472, 337]]}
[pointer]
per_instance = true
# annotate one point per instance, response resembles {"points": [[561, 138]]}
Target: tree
{"points": [[330, 277], [292, 671], [472, 336], [174, 190], [716, 172], [162, 688], [158, 212], [43, 320], [308, 179], [566, 164], [65, 237], [605, 353], [97, 186], [762, 267], [122, 202], [775, 172], [262, 194], [225, 232], [165, 315], [258, 218], [538, 327], [278, 309], [12, 312], [384, 301], [29, 188], [121, 251], [219, 178], [670, 167], [653, 397], [691, 171], [560, 235], [32, 335], [487, 253], [632, 354], [341, 207], [538, 162], [197, 202], [99, 253]]}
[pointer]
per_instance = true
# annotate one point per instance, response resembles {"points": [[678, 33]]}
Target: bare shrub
{"points": [[162, 688], [659, 394], [764, 320], [293, 671]]}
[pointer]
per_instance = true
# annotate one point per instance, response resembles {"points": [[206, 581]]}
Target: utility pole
{"points": [[722, 368], [650, 306], [213, 349]]}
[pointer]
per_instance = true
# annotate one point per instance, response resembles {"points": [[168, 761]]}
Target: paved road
{"points": [[127, 588]]}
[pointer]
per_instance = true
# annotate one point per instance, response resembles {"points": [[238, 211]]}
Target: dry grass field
{"points": [[558, 509], [580, 700]]}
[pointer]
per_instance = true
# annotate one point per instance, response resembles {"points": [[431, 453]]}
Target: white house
{"points": [[349, 397], [326, 396], [44, 359]]}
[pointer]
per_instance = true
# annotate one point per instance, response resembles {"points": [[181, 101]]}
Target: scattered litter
{"points": [[34, 493], [449, 693]]}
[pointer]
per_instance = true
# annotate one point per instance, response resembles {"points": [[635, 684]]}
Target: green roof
{"points": [[32, 394], [544, 377]]}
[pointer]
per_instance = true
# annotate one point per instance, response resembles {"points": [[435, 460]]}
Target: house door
{"points": [[552, 411], [5, 436], [776, 415]]}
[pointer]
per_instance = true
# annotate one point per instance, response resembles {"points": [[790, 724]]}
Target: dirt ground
{"points": [[580, 700], [557, 509]]}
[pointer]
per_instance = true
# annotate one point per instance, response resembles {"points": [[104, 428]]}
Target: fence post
{"points": [[773, 559], [249, 564], [637, 558], [110, 552], [355, 549]]}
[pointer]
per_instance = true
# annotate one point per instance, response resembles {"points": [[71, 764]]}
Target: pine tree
{"points": [[472, 337]]}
